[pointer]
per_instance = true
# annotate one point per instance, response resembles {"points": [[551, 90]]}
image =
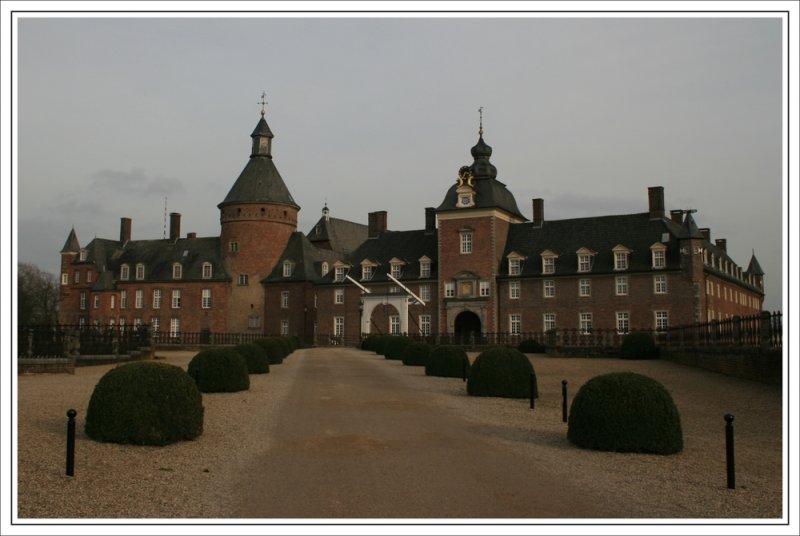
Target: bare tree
{"points": [[37, 295]]}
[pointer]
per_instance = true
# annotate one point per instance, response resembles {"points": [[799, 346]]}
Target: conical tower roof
{"points": [[71, 245], [754, 268], [689, 228]]}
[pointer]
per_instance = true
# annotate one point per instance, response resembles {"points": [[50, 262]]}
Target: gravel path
{"points": [[204, 478]]}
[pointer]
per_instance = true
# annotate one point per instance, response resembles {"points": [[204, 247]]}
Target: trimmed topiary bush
{"points": [[219, 370], [448, 362], [638, 345], [503, 372], [416, 354], [394, 346], [286, 346], [256, 358], [273, 348], [145, 403], [625, 412], [531, 347]]}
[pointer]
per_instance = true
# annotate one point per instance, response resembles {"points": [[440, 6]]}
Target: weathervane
{"points": [[480, 111], [263, 102]]}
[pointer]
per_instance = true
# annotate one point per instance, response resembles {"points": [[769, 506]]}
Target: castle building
{"points": [[477, 266]]}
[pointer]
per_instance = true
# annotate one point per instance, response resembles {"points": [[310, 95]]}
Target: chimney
{"points": [[538, 212], [676, 216], [430, 220], [722, 243], [124, 230], [655, 195], [706, 232], [174, 226], [191, 236], [377, 223]]}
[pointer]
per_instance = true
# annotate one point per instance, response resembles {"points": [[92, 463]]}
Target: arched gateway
{"points": [[467, 325]]}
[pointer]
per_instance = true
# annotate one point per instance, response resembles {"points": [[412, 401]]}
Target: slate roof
{"points": [[754, 268], [71, 245], [637, 232], [306, 259], [343, 236], [489, 193]]}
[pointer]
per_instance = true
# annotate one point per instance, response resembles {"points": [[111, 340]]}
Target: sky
{"points": [[378, 113]]}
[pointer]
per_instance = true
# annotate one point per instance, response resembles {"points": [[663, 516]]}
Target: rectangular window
{"points": [[233, 246], [65, 278], [338, 326], [515, 324], [176, 299], [425, 324], [285, 299], [514, 266], [96, 301], [548, 265], [339, 296], [140, 271], [205, 299], [284, 327], [174, 328], [484, 288], [659, 258], [586, 323], [450, 290], [549, 288], [514, 290], [155, 324], [584, 263], [662, 320], [177, 271], [425, 269], [113, 302], [660, 284], [253, 322], [397, 271], [137, 322], [124, 272], [622, 285], [157, 298], [425, 292], [88, 276], [549, 321], [77, 276], [585, 287], [339, 274], [139, 299], [367, 272], [83, 300], [623, 322], [123, 299], [394, 325], [244, 280], [620, 261], [207, 270], [466, 243], [287, 269]]}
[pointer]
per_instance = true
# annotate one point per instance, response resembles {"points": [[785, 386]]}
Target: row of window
{"points": [[465, 288], [138, 299], [732, 295], [155, 324], [177, 271], [586, 320], [516, 261]]}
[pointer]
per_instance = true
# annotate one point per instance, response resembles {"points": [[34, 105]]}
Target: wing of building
{"points": [[476, 265]]}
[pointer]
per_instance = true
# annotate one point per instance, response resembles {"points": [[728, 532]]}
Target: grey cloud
{"points": [[135, 182]]}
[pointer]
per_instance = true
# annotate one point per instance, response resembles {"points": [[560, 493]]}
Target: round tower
{"points": [[257, 218]]}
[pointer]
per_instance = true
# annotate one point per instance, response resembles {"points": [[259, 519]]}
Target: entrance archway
{"points": [[380, 319], [467, 326]]}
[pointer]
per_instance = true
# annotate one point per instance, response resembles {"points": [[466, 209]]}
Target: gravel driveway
{"points": [[323, 436]]}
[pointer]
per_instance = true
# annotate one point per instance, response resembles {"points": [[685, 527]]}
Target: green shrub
{"points": [[273, 348], [145, 403], [395, 345], [530, 346], [504, 372], [625, 412], [285, 345], [296, 342], [638, 345], [219, 370], [256, 358], [416, 354], [448, 362]]}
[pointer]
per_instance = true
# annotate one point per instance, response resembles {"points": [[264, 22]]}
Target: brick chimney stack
{"points": [[430, 220], [706, 232], [655, 195], [174, 226], [538, 212], [676, 216], [722, 243], [124, 230], [377, 223]]}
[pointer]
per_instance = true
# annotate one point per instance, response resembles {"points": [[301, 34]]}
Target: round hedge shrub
{"points": [[448, 362], [285, 346], [273, 349], [503, 372], [638, 345], [219, 370], [625, 412], [380, 343], [145, 403], [256, 358], [416, 354], [394, 346], [530, 346]]}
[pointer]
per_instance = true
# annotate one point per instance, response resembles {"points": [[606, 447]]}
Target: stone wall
{"points": [[765, 366]]}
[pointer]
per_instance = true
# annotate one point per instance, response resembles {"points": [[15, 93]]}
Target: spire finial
{"points": [[480, 130], [263, 102]]}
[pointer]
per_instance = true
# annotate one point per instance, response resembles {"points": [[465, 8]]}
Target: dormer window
{"points": [[397, 268], [83, 255], [424, 267], [287, 268], [207, 270], [549, 262], [585, 260], [124, 272], [515, 263], [659, 255], [139, 271], [325, 269], [367, 271], [340, 271], [621, 254], [177, 271]]}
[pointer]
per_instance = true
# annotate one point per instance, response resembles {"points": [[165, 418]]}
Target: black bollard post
{"points": [[464, 365], [533, 388], [71, 442], [729, 451], [564, 400]]}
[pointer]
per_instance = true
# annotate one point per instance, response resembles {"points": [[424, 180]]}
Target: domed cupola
{"points": [[481, 167]]}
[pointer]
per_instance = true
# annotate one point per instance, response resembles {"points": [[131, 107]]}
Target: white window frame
{"points": [[514, 290], [425, 291], [621, 285], [623, 322], [484, 290], [514, 266], [138, 299], [338, 326], [585, 323], [177, 270], [77, 276], [425, 269], [515, 324], [287, 268], [156, 298], [450, 289], [548, 321], [394, 324], [112, 302], [338, 296], [253, 321], [659, 258], [584, 287], [466, 242], [548, 264], [424, 324], [96, 301], [367, 272], [284, 327], [339, 274], [65, 278], [155, 324], [139, 271], [324, 269], [176, 298], [233, 246], [243, 280], [88, 276], [660, 284], [174, 327], [285, 299], [123, 299], [207, 270], [205, 299], [549, 288], [661, 319], [397, 270]]}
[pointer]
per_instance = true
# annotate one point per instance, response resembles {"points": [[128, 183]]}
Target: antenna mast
{"points": [[165, 218]]}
